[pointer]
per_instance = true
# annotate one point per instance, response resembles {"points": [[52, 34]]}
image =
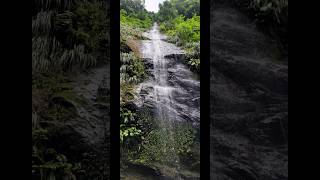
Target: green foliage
{"points": [[76, 56], [131, 72], [91, 26], [39, 136], [184, 137], [41, 23], [143, 22], [126, 115], [166, 12], [187, 8], [142, 141], [168, 145], [49, 55], [134, 14], [169, 27], [126, 92], [132, 69], [133, 7], [134, 19], [65, 39], [180, 20], [128, 132], [45, 53], [195, 64], [129, 32], [170, 9], [67, 35], [189, 30], [57, 167], [184, 31], [193, 56], [46, 162]]}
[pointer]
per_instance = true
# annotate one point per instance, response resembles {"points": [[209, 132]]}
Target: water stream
{"points": [[172, 94], [173, 89]]}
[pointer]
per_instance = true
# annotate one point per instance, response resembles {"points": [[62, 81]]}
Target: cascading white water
{"points": [[171, 93], [161, 88]]}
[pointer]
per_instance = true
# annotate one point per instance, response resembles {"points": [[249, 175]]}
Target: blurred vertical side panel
{"points": [[249, 89], [70, 89]]}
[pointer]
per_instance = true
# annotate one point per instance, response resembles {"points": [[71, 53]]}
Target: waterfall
{"points": [[162, 90], [172, 95]]}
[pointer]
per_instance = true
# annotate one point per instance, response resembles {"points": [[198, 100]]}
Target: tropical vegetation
{"points": [[68, 37], [180, 20]]}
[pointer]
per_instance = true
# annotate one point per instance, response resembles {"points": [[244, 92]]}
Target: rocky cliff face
{"points": [[85, 137], [249, 100]]}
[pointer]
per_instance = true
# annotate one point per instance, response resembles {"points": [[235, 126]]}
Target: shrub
{"points": [[76, 56], [45, 51], [49, 55], [67, 37], [90, 25], [182, 29], [189, 30], [193, 56], [41, 24], [132, 68], [137, 22], [168, 144]]}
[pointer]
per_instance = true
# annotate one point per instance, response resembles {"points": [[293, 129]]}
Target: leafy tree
{"points": [[171, 9], [134, 7], [180, 20], [167, 12]]}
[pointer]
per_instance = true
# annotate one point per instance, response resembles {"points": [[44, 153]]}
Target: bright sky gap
{"points": [[153, 5]]}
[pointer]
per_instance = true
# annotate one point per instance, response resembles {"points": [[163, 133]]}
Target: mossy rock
{"points": [[68, 100], [70, 96]]}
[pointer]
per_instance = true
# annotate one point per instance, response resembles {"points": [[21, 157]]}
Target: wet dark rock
{"points": [[150, 105], [63, 101], [141, 172], [153, 172], [176, 57], [185, 96], [125, 48], [131, 106], [249, 100], [148, 63], [180, 75], [149, 68], [84, 137]]}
